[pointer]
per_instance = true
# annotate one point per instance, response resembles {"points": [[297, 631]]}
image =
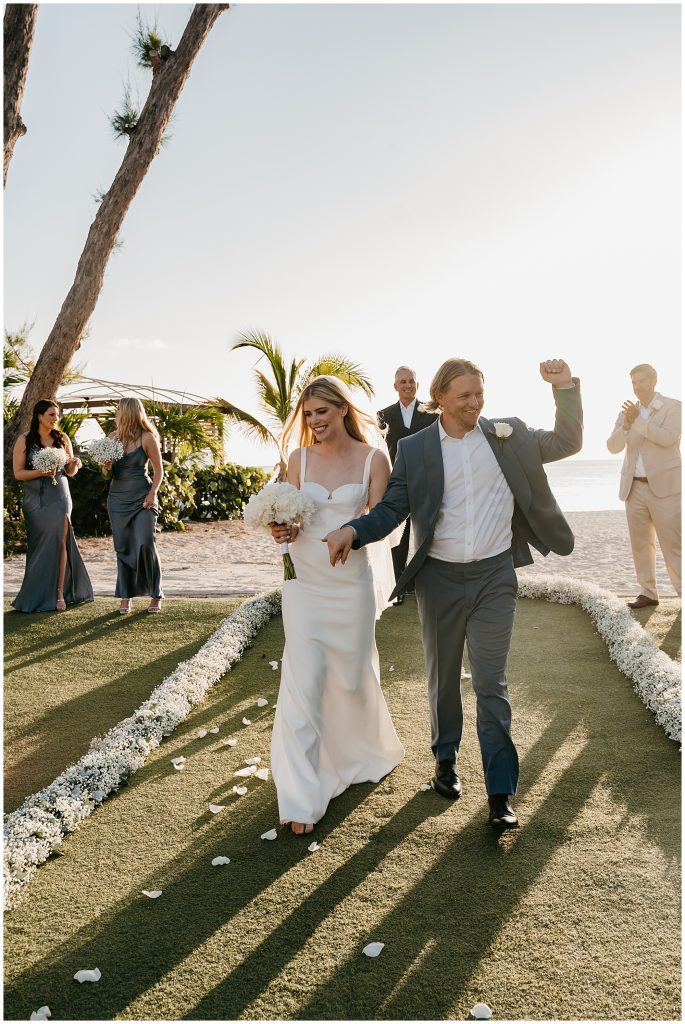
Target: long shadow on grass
{"points": [[672, 642], [458, 909], [144, 940], [63, 734], [44, 649]]}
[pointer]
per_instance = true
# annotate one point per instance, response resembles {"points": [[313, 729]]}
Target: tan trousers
{"points": [[650, 518]]}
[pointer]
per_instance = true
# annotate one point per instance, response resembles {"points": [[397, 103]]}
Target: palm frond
{"points": [[271, 350], [249, 424], [339, 366]]}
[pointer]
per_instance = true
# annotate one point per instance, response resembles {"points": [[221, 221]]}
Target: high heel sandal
{"points": [[125, 608], [60, 604], [154, 609]]}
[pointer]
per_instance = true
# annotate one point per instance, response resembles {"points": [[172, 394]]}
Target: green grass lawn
{"points": [[575, 916]]}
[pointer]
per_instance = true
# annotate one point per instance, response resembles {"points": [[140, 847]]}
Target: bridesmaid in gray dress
{"points": [[55, 575], [132, 506]]}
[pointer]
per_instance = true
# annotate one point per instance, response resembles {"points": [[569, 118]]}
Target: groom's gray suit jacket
{"points": [[416, 485]]}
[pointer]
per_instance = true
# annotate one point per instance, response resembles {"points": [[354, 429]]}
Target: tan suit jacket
{"points": [[657, 439]]}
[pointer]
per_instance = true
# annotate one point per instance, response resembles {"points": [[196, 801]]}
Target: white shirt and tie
{"points": [[407, 413]]}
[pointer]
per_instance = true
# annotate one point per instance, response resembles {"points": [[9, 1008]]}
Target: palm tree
{"points": [[278, 394], [184, 431]]}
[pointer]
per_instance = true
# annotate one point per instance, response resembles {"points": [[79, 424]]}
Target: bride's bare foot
{"points": [[301, 829]]}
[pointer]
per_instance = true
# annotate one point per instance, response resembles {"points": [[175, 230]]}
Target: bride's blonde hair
{"points": [[133, 420], [358, 424]]}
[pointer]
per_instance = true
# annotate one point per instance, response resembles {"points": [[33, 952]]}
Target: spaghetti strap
{"points": [[367, 468]]}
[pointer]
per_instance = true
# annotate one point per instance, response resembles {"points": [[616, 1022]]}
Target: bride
{"points": [[332, 727]]}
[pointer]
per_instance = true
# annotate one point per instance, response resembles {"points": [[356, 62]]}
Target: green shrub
{"points": [[223, 493], [14, 531], [176, 495], [89, 490]]}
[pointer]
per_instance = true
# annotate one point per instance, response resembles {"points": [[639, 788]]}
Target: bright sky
{"points": [[401, 183]]}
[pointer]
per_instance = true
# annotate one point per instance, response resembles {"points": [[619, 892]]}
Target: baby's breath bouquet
{"points": [[280, 503], [48, 459], [105, 449]]}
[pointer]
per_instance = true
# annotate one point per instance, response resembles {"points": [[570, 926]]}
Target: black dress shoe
{"points": [[642, 602], [501, 812], [399, 599], [446, 781]]}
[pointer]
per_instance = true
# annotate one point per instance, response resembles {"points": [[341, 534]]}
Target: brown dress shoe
{"points": [[642, 602]]}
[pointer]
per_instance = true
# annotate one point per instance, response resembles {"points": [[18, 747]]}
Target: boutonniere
{"points": [[502, 432], [656, 404], [421, 407]]}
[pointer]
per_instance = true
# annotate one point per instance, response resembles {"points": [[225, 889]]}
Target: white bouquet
{"points": [[48, 459], [105, 449], [280, 503]]}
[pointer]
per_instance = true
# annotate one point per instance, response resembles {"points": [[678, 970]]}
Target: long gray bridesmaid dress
{"points": [[133, 528], [44, 509]]}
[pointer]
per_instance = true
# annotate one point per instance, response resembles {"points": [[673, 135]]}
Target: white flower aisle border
{"points": [[35, 830], [656, 677]]}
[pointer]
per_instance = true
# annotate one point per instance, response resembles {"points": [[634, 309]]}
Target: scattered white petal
{"points": [[274, 665], [425, 786], [179, 767], [229, 743], [373, 948], [262, 774], [271, 834], [220, 860], [273, 705], [215, 728], [253, 760], [240, 790], [177, 760], [313, 847], [465, 674], [262, 702], [244, 773], [88, 975], [201, 733], [152, 894], [481, 1011], [391, 669], [247, 721], [215, 808], [41, 1014]]}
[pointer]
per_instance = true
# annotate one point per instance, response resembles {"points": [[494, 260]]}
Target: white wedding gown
{"points": [[332, 727]]}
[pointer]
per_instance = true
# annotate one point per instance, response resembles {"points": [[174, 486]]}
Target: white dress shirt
{"points": [[474, 520], [407, 412]]}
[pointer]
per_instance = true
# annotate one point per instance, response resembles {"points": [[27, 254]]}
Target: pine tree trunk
{"points": [[144, 142], [19, 26]]}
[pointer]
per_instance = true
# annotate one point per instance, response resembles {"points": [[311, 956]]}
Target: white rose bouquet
{"points": [[280, 503], [105, 449], [48, 459]]}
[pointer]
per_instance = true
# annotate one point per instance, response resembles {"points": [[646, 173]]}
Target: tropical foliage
{"points": [[280, 384]]}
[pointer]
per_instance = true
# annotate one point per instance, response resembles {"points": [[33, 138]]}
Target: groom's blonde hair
{"points": [[333, 390], [450, 369]]}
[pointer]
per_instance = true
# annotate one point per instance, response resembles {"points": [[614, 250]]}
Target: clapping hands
{"points": [[630, 411]]}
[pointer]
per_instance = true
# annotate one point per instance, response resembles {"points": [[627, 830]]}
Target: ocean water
{"points": [[585, 485]]}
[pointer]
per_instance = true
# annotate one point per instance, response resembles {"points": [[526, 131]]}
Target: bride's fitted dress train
{"points": [[332, 727]]}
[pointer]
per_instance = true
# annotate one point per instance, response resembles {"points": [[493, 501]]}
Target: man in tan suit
{"points": [[649, 430]]}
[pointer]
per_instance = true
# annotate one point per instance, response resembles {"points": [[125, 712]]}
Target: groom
{"points": [[478, 497]]}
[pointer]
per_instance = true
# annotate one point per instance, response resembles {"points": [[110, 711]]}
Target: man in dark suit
{"points": [[403, 418], [478, 496]]}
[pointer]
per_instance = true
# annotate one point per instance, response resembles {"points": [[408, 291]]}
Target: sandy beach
{"points": [[225, 558]]}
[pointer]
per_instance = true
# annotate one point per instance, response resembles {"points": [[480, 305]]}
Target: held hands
{"points": [[630, 412], [556, 372], [339, 544], [284, 533]]}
